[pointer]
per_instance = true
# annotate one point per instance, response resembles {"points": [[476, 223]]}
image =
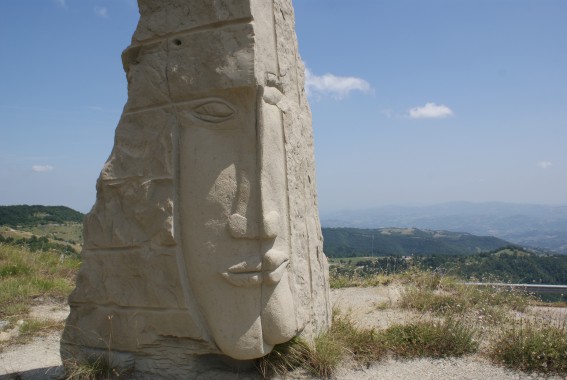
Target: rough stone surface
{"points": [[204, 243]]}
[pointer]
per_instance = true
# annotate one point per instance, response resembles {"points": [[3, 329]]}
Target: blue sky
{"points": [[413, 101]]}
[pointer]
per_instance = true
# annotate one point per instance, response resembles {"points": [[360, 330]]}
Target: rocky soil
{"points": [[369, 307]]}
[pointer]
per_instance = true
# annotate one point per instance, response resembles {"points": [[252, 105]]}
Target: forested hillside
{"points": [[512, 265], [541, 226], [381, 250], [509, 265], [24, 215], [355, 242]]}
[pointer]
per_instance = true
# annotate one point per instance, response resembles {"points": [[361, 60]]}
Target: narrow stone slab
{"points": [[204, 246]]}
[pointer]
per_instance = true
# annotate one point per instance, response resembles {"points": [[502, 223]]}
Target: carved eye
{"points": [[214, 111]]}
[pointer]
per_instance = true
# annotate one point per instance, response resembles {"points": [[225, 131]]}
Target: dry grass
{"points": [[345, 341], [357, 281], [429, 338], [26, 275], [453, 318], [532, 345], [96, 368], [446, 296], [25, 278], [457, 319]]}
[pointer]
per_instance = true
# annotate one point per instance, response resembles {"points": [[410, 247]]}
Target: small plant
{"points": [[321, 358], [355, 280], [364, 345], [325, 356], [95, 368], [532, 346], [435, 294], [284, 357], [427, 279], [450, 337], [384, 305], [34, 327], [429, 300]]}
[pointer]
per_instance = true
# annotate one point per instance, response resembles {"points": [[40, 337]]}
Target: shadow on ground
{"points": [[46, 373]]}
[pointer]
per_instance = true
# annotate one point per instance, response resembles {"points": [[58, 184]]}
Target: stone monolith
{"points": [[204, 242]]}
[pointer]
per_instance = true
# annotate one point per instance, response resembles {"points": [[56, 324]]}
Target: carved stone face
{"points": [[205, 237], [234, 218]]}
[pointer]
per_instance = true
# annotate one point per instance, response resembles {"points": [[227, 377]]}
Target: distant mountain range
{"points": [[538, 226], [446, 228]]}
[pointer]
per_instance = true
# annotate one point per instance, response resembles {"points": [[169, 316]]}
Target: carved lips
{"points": [[248, 273]]}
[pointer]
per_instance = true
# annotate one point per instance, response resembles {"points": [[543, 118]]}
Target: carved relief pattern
{"points": [[205, 236]]}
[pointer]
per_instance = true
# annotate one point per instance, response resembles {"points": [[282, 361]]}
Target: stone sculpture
{"points": [[204, 241]]}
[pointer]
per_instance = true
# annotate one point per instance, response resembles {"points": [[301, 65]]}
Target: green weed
{"points": [[449, 337], [338, 281], [364, 345], [429, 292], [284, 357], [325, 356], [96, 368], [532, 346], [33, 327], [25, 275]]}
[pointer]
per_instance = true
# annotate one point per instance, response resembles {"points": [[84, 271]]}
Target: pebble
{"points": [[4, 325]]}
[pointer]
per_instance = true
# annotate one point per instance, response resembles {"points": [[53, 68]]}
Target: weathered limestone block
{"points": [[129, 213], [143, 147], [159, 18], [204, 243], [146, 283]]}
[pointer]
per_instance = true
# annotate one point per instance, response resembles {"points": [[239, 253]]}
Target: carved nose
{"points": [[242, 228]]}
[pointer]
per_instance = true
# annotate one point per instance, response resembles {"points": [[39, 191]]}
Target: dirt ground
{"points": [[369, 307]]}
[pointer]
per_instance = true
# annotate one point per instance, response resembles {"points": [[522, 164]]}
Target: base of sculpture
{"points": [[160, 363]]}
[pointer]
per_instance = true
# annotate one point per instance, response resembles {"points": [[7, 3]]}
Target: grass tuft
{"points": [[451, 337], [437, 339], [25, 275], [430, 292], [532, 346], [284, 357], [33, 327], [355, 280], [325, 356], [95, 368], [364, 345]]}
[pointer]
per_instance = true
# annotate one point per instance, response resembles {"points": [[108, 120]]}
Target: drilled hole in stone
{"points": [[176, 42]]}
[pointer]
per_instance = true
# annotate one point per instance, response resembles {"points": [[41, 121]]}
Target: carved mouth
{"points": [[247, 274]]}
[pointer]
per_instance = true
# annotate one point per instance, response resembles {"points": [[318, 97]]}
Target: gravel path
{"points": [[39, 359], [469, 368]]}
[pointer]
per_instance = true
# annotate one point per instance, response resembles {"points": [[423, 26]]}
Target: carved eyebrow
{"points": [[213, 110]]}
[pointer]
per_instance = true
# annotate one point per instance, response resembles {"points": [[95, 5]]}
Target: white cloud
{"points": [[430, 111], [337, 87], [42, 168], [545, 164], [101, 12]]}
